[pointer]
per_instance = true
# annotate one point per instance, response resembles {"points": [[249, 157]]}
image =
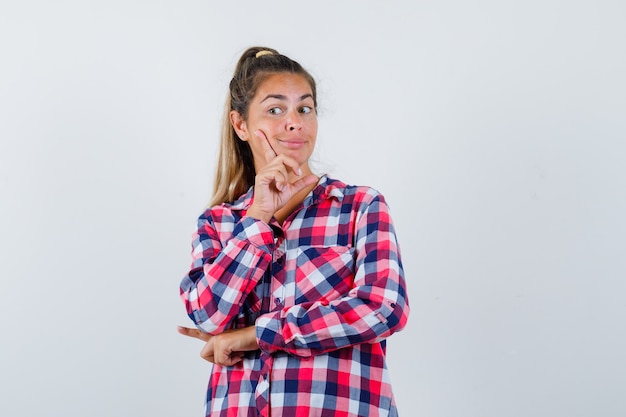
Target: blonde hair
{"points": [[235, 166]]}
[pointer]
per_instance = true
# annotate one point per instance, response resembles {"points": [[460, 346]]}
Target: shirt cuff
{"points": [[256, 232], [268, 332]]}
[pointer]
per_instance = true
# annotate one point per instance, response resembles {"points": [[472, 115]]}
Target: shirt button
{"points": [[277, 301]]}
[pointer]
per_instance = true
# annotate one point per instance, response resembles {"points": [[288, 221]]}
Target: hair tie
{"points": [[265, 52]]}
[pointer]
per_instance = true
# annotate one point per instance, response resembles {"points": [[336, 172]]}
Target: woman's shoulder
{"points": [[351, 190], [228, 208], [360, 197]]}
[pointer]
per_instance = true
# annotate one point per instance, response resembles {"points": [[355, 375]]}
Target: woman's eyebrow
{"points": [[283, 97]]}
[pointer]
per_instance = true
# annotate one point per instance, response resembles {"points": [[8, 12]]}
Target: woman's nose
{"points": [[293, 122]]}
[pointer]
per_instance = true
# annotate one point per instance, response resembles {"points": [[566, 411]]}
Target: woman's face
{"points": [[284, 110]]}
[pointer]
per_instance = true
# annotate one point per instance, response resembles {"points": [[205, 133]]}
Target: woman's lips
{"points": [[293, 143]]}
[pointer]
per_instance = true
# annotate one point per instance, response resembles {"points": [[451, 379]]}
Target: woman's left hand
{"points": [[226, 348]]}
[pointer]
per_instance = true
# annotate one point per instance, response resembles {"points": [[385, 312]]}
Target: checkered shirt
{"points": [[323, 290]]}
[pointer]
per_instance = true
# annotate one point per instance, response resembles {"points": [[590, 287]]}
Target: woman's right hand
{"points": [[226, 348], [272, 186]]}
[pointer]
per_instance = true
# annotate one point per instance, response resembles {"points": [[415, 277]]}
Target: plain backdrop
{"points": [[496, 130]]}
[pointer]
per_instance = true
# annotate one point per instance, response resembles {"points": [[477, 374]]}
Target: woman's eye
{"points": [[306, 109], [276, 110]]}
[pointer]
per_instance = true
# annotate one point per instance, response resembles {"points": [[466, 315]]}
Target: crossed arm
{"points": [[226, 348]]}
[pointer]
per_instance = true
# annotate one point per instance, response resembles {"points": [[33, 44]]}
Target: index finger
{"points": [[268, 151], [186, 331]]}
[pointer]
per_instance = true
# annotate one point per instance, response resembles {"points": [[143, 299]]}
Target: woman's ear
{"points": [[239, 124]]}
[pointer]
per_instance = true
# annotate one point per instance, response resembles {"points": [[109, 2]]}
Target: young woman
{"points": [[296, 280]]}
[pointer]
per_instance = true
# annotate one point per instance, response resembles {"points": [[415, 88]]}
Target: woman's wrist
{"points": [[259, 215]]}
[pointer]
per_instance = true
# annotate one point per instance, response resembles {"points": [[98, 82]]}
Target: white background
{"points": [[496, 130]]}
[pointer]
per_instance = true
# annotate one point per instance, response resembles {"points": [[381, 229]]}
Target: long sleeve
{"points": [[226, 267], [373, 308]]}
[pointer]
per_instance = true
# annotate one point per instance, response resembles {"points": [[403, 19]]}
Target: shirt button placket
{"points": [[262, 392]]}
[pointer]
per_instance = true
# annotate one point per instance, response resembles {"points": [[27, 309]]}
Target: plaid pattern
{"points": [[324, 290]]}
